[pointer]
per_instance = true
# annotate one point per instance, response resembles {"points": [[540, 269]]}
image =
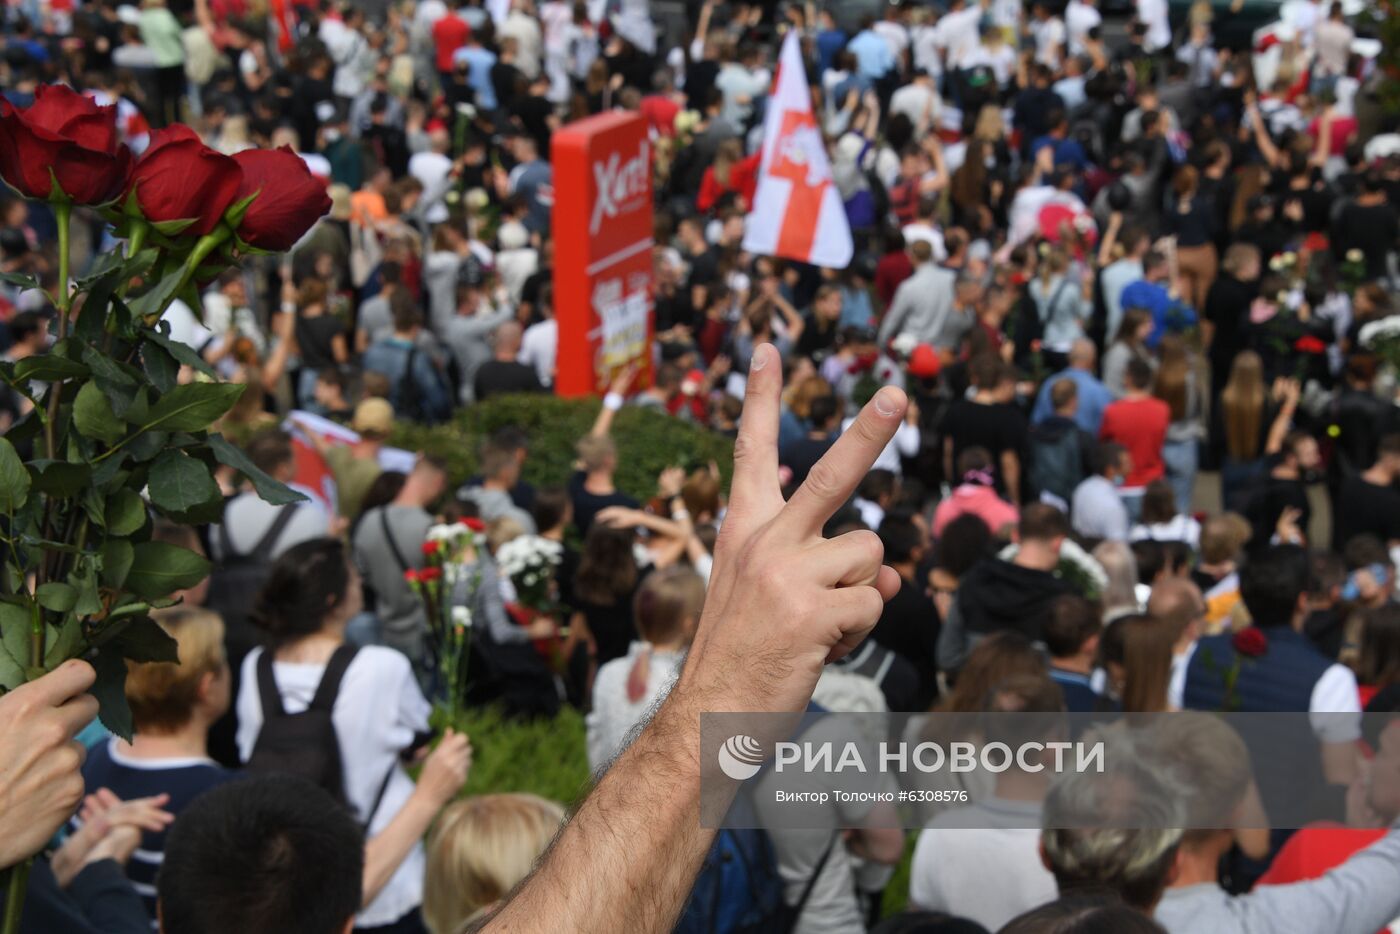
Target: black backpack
{"points": [[302, 744], [233, 586], [410, 395]]}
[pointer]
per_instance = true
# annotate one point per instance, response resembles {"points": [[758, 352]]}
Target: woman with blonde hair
{"points": [[1063, 299], [666, 610], [1119, 598], [172, 708], [1178, 384], [482, 848]]}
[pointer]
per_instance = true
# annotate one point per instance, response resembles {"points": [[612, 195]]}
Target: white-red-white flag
{"points": [[797, 211]]}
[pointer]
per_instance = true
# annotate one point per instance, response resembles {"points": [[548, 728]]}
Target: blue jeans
{"points": [[1181, 458]]}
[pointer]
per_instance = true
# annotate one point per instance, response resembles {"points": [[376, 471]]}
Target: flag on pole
{"points": [[797, 211]]}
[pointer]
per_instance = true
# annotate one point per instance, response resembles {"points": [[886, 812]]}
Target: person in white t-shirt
{"points": [[1048, 31], [997, 838], [539, 346], [1081, 17], [956, 32], [379, 712]]}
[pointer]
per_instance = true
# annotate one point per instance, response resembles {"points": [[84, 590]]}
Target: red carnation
{"points": [[63, 137], [179, 178], [289, 199], [1309, 344], [429, 574], [1251, 642], [475, 524], [431, 548], [411, 576]]}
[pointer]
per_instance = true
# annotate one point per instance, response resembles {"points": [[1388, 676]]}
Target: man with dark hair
{"points": [[1072, 642], [267, 853], [1061, 453], [998, 595], [416, 389], [1156, 293], [1138, 421], [1368, 223], [1096, 507], [248, 520], [909, 624], [1289, 675]]}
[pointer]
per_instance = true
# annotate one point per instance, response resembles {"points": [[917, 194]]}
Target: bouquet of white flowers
{"points": [[529, 561], [1077, 568], [449, 550], [1382, 338]]}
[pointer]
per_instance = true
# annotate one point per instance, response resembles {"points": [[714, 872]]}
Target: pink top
{"points": [[982, 501]]}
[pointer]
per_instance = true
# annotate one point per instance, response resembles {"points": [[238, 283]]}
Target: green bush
{"points": [[548, 758], [648, 441]]}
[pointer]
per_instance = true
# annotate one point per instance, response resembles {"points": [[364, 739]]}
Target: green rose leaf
{"points": [[126, 512], [19, 280], [159, 568], [192, 407], [118, 554], [93, 415], [60, 478], [57, 596], [144, 641], [64, 642], [179, 483], [270, 490], [110, 691], [14, 479], [84, 580], [47, 368], [14, 645], [161, 366], [180, 351]]}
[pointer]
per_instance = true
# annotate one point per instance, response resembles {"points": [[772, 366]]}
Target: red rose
{"points": [[67, 134], [475, 524], [289, 198], [1251, 642], [430, 548], [429, 574], [179, 178], [1309, 344], [411, 576]]}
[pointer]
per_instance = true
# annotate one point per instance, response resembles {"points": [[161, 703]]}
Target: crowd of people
{"points": [[1123, 270]]}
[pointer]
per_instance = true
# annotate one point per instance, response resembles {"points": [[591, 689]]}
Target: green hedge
{"points": [[648, 441], [546, 757]]}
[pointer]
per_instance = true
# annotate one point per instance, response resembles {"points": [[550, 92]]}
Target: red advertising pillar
{"points": [[602, 231]]}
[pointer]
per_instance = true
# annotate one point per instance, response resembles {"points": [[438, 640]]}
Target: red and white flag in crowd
{"points": [[797, 211]]}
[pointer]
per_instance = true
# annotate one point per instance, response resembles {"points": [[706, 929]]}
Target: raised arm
{"points": [[617, 393], [782, 602]]}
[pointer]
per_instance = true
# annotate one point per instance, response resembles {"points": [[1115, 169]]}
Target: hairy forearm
{"points": [[628, 858]]}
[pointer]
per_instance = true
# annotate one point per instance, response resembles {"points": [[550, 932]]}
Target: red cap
{"points": [[435, 124], [924, 362]]}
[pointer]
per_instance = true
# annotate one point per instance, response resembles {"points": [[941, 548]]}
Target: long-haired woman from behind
{"points": [[1179, 385], [604, 587], [1249, 421], [378, 713]]}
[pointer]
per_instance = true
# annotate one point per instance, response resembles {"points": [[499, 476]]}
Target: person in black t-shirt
{"points": [[1369, 502], [909, 625], [505, 373], [801, 455], [1285, 487], [1369, 223], [989, 420]]}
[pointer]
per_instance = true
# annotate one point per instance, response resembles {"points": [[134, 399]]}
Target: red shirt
{"points": [[449, 34], [660, 113], [892, 269], [1140, 425]]}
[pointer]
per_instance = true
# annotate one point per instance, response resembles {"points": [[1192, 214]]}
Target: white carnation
{"points": [[462, 617]]}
